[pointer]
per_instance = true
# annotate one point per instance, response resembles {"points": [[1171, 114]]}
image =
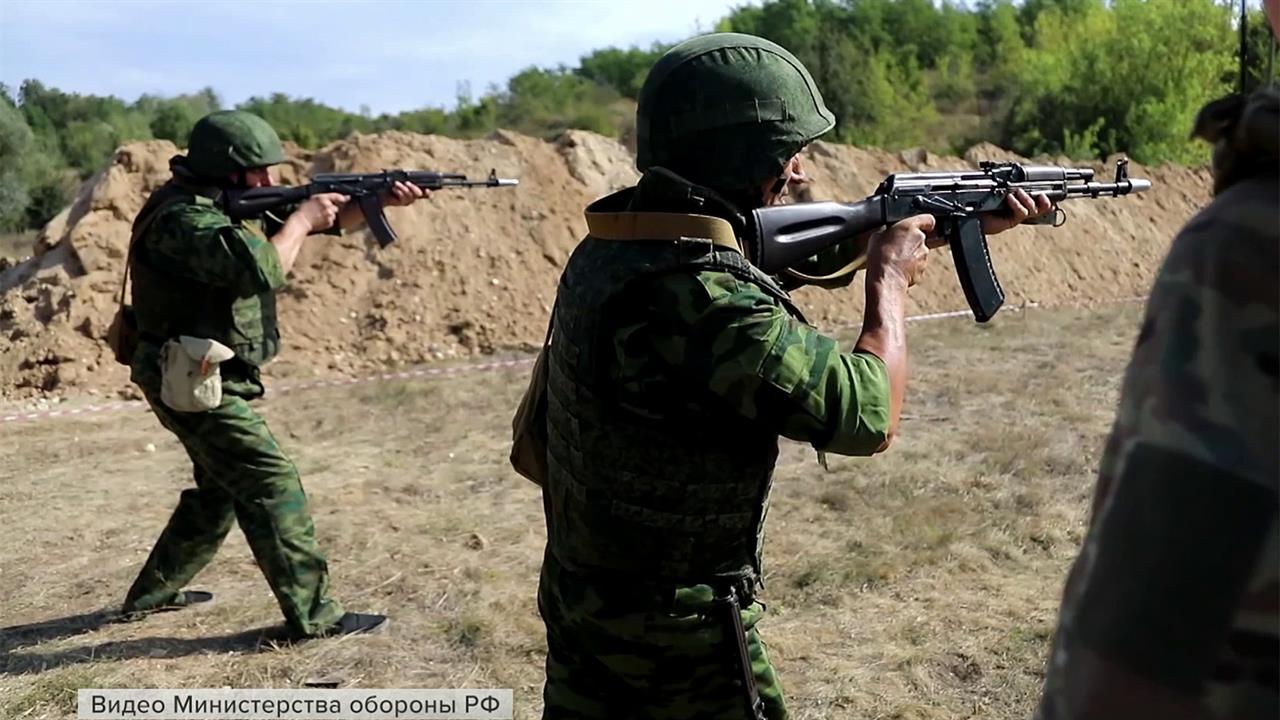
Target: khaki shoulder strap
{"points": [[677, 226], [661, 226], [140, 227]]}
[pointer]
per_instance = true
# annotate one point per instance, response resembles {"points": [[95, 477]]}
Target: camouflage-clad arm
{"points": [[1186, 502], [1203, 377], [202, 244], [730, 340]]}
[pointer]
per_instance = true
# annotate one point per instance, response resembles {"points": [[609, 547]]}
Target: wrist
{"points": [[886, 300], [295, 224], [886, 279]]}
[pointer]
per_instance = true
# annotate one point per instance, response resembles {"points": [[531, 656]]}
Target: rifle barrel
{"points": [[1124, 187]]}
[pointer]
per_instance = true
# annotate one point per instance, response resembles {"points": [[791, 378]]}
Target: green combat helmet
{"points": [[228, 141], [727, 110]]}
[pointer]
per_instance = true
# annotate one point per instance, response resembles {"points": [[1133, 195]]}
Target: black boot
{"points": [[185, 598], [356, 623], [349, 624]]}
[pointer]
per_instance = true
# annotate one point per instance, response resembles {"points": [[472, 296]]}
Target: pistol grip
{"points": [[973, 266], [371, 208]]}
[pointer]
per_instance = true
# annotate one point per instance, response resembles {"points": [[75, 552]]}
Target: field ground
{"points": [[919, 585]]}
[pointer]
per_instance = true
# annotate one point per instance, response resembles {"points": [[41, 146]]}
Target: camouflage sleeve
{"points": [[1203, 377], [728, 337], [1176, 565], [203, 245]]}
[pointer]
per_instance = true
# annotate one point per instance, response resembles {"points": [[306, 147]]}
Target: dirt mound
{"points": [[475, 271]]}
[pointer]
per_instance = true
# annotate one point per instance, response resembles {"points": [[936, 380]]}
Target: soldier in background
{"points": [[197, 273], [1172, 609]]}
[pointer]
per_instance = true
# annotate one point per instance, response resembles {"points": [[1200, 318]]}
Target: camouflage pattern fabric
{"points": [[240, 474], [198, 242], [756, 355], [609, 657], [1172, 608], [197, 273], [761, 363], [674, 367]]}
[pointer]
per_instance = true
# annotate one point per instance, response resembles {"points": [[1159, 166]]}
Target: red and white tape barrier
{"points": [[474, 367]]}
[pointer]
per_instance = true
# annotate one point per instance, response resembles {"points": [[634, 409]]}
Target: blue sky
{"points": [[389, 55]]}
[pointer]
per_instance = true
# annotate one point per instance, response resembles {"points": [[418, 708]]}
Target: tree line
{"points": [[1081, 78]]}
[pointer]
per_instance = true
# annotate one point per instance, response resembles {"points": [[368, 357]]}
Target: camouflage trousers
{"points": [[241, 475], [609, 657]]}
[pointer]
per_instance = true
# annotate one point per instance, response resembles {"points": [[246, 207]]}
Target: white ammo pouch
{"points": [[191, 380]]}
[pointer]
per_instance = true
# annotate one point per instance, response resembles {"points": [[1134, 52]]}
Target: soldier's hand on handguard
{"points": [[1021, 208], [900, 248], [403, 193], [319, 212]]}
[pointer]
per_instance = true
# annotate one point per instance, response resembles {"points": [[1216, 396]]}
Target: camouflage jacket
{"points": [[674, 367], [759, 359], [197, 272], [1172, 609]]}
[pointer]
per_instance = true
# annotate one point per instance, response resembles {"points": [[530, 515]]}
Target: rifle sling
{"points": [[661, 226], [138, 229], [675, 226], [853, 267]]}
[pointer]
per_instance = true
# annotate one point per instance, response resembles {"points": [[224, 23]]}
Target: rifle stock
{"points": [[256, 202], [789, 234]]}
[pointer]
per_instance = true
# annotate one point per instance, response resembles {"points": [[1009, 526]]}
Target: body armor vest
{"points": [[167, 306], [674, 491]]}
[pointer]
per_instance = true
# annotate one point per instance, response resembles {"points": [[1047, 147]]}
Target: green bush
{"points": [[1138, 70]]}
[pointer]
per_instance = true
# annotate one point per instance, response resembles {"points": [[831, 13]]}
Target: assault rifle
{"points": [[364, 188], [786, 235]]}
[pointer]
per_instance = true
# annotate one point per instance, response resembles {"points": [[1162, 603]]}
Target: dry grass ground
{"points": [[922, 584]]}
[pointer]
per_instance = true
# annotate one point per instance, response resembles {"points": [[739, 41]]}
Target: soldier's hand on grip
{"points": [[320, 212], [900, 248]]}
